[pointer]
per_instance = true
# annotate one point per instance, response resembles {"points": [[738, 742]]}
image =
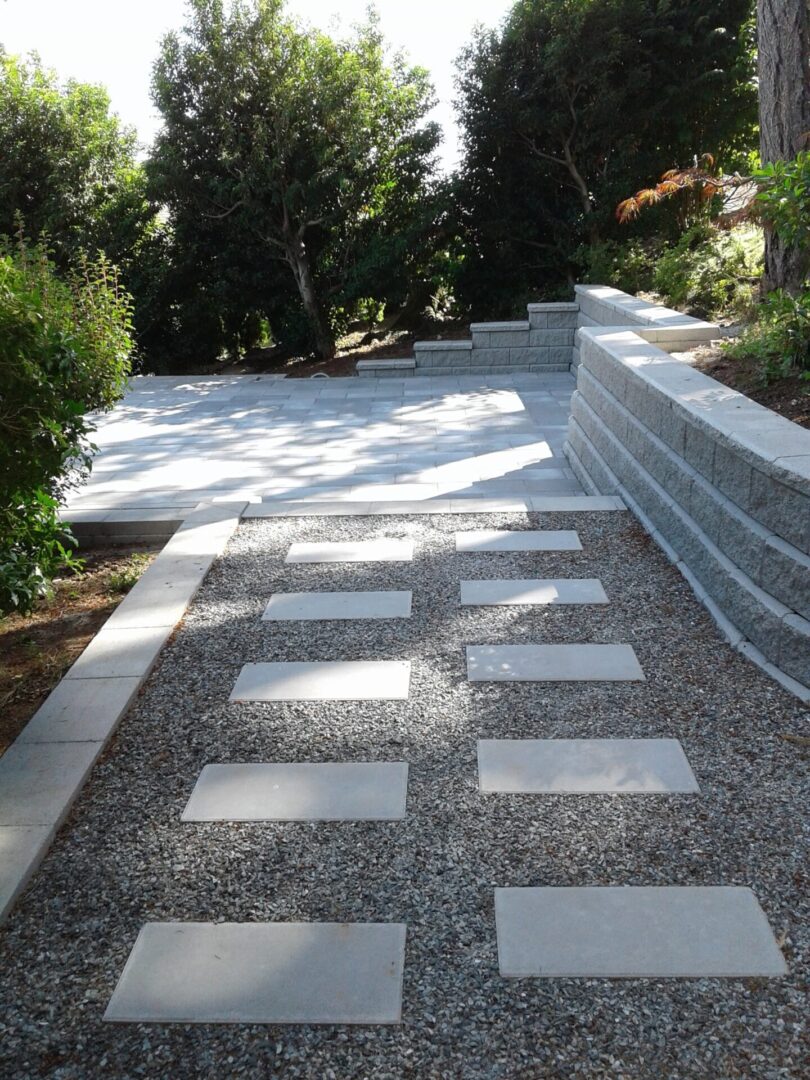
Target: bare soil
{"points": [[790, 397], [37, 649]]}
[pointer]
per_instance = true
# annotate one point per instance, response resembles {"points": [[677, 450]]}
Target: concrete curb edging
{"points": [[45, 768]]}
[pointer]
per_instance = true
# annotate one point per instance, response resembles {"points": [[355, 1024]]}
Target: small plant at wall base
{"points": [[64, 352]]}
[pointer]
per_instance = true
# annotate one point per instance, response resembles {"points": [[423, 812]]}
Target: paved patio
{"points": [[174, 442]]}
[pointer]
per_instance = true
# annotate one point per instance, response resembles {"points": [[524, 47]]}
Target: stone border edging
{"points": [[45, 768]]}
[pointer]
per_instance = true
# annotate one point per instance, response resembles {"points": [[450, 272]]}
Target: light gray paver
{"points": [[22, 848], [81, 710], [539, 591], [329, 680], [565, 766], [553, 663], [39, 781], [120, 653], [634, 932], [338, 605], [505, 540], [381, 550], [263, 973], [350, 791]]}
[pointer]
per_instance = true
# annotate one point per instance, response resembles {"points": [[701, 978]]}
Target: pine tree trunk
{"points": [[321, 331], [783, 33]]}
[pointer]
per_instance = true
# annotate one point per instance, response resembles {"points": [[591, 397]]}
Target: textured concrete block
{"points": [[781, 508], [699, 451], [338, 680], [794, 648], [262, 973], [553, 663], [352, 791], [562, 320], [338, 605], [637, 932], [567, 766], [533, 591], [732, 476], [785, 574]]}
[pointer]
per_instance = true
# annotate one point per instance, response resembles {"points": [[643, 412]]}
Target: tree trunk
{"points": [[321, 331], [783, 33]]}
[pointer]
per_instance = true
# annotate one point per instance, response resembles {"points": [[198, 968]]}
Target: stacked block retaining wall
{"points": [[722, 483]]}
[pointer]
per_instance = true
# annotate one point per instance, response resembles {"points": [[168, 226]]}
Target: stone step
{"points": [[329, 680], [580, 766], [533, 591], [351, 791], [655, 932], [384, 549], [553, 663], [310, 606], [504, 540], [262, 973]]}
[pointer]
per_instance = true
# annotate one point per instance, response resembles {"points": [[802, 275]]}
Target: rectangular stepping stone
{"points": [[382, 550], [328, 680], [361, 791], [505, 540], [538, 591], [262, 973], [569, 766], [553, 663], [634, 932], [338, 605]]}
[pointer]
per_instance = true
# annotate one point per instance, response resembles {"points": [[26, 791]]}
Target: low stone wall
{"points": [[722, 483]]}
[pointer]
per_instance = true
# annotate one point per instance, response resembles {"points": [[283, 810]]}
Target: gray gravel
{"points": [[125, 858]]}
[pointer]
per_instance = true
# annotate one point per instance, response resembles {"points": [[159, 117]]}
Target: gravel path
{"points": [[125, 858]]}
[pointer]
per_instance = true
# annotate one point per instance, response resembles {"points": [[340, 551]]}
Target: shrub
{"points": [[629, 266], [779, 338], [64, 352], [712, 272]]}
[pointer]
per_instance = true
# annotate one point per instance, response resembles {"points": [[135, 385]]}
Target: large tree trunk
{"points": [[783, 32], [321, 331]]}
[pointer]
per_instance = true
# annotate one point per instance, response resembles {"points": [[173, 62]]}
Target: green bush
{"points": [[629, 265], [779, 338], [64, 352], [712, 272]]}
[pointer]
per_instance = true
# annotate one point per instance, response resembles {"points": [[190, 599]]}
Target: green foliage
{"points": [[629, 265], [64, 348], [573, 103], [122, 580], [784, 200], [779, 338], [711, 272], [296, 168]]}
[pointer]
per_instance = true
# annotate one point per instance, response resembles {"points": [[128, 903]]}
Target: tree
{"points": [[572, 100], [284, 143], [783, 34], [63, 157]]}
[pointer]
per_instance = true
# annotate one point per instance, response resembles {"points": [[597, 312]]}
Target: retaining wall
{"points": [[722, 483]]}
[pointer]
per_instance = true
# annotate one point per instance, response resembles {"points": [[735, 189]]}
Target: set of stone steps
{"points": [[542, 342], [334, 973]]}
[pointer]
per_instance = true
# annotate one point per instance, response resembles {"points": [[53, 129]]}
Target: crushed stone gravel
{"points": [[125, 858]]}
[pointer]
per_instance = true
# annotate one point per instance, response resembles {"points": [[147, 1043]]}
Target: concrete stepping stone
{"points": [[328, 680], [553, 663], [505, 540], [262, 973], [383, 549], [285, 607], [579, 766], [537, 591], [351, 791], [634, 932]]}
